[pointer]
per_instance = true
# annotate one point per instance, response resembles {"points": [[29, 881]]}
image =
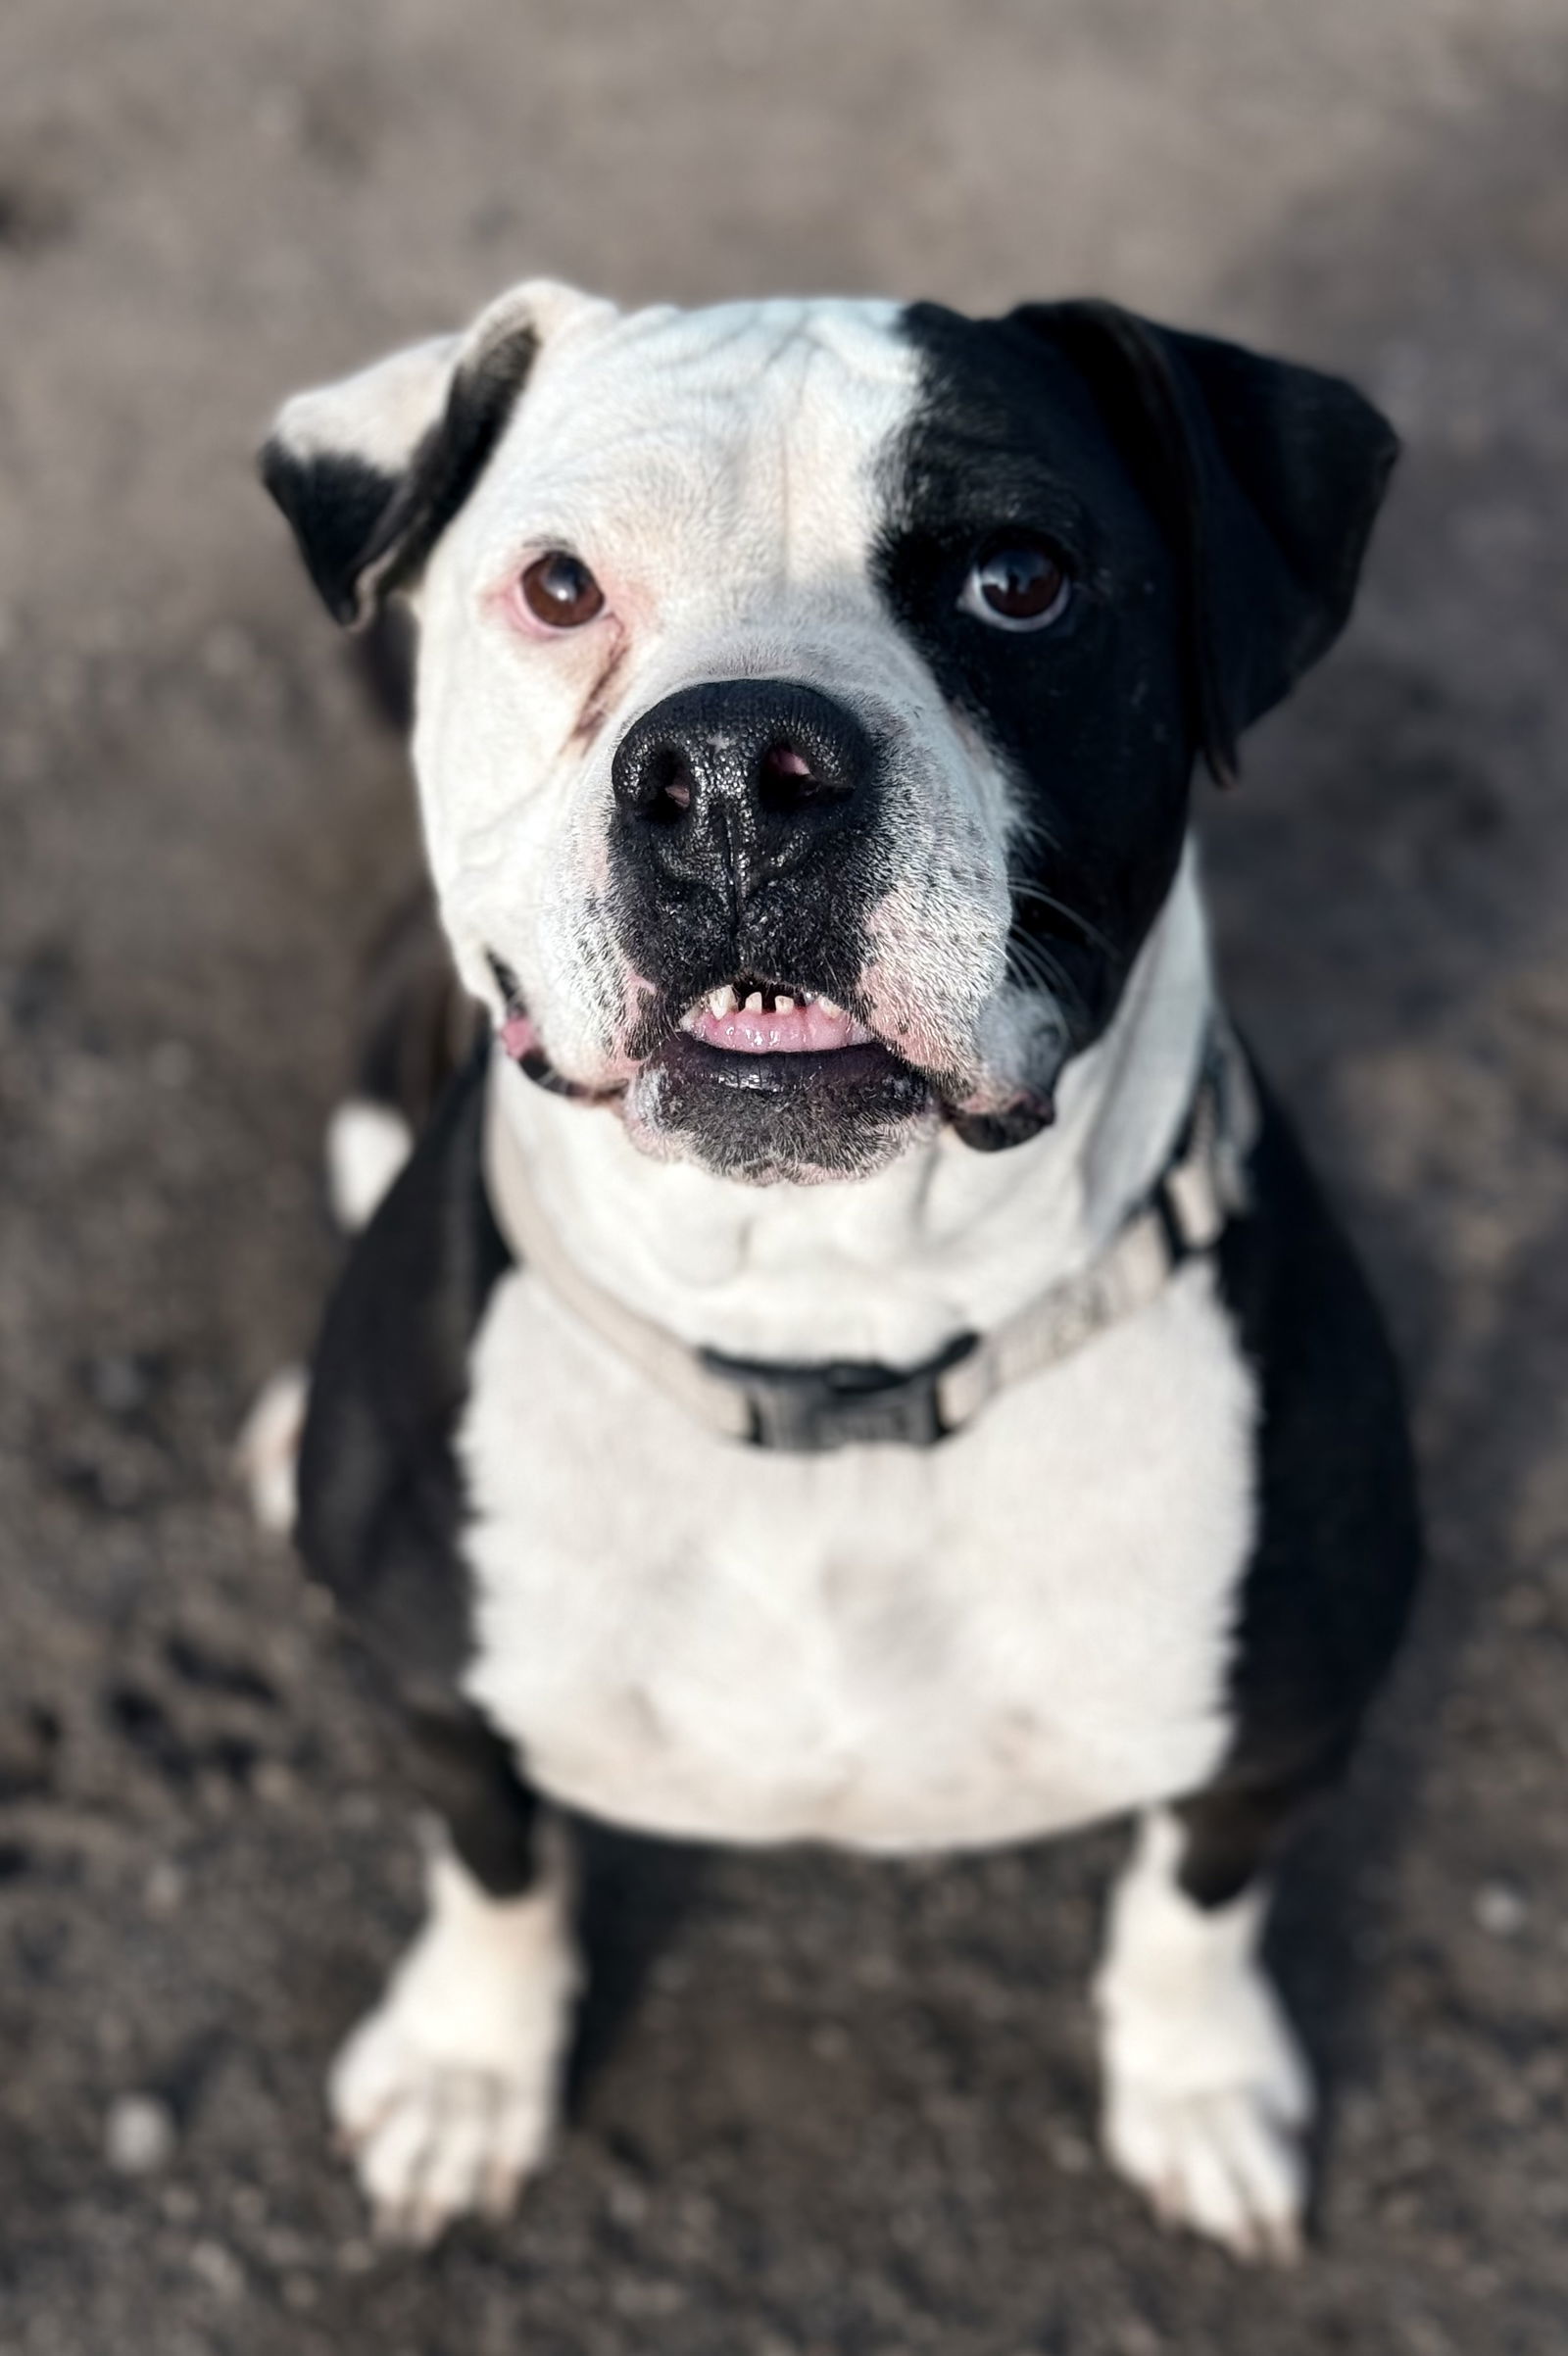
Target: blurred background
{"points": [[852, 2115]]}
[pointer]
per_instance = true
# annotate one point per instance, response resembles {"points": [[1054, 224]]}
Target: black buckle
{"points": [[848, 1402]]}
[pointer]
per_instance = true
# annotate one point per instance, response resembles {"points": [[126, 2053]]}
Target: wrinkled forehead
{"points": [[757, 428]]}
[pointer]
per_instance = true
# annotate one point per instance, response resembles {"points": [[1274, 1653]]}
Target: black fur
{"points": [[1210, 508], [364, 532], [380, 1496], [381, 1504], [1267, 477], [335, 504], [1339, 1542]]}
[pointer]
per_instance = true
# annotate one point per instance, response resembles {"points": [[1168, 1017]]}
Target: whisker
{"points": [[1032, 829], [1032, 964], [1021, 889]]}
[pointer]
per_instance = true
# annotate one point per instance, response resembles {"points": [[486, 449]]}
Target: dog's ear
{"points": [[370, 471], [1266, 475]]}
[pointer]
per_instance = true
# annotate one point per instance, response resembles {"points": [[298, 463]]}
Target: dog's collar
{"points": [[848, 1401]]}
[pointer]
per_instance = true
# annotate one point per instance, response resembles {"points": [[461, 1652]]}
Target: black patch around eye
{"points": [[1087, 718]]}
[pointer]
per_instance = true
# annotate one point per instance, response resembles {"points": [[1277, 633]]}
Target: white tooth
{"points": [[753, 1005], [783, 1005], [829, 1006], [722, 1002]]}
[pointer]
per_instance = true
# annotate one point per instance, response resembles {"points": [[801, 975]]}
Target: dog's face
{"points": [[807, 693]]}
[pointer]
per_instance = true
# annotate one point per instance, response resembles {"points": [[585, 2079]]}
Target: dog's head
{"points": [[809, 693]]}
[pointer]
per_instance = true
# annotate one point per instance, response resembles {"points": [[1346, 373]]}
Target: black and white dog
{"points": [[855, 1355]]}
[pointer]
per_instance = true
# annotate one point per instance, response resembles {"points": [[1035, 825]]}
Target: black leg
{"points": [[1234, 1829], [461, 1767]]}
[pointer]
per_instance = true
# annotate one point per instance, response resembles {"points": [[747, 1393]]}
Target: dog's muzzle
{"points": [[748, 852]]}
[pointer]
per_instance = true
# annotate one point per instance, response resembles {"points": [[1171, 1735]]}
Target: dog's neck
{"points": [[890, 1267]]}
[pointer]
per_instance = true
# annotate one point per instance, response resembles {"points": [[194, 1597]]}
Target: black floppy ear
{"points": [[1267, 477], [370, 471]]}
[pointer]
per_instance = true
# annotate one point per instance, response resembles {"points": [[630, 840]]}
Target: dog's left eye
{"points": [[559, 591], [1017, 584]]}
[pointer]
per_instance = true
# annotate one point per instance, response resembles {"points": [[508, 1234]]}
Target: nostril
{"points": [[667, 787], [787, 780]]}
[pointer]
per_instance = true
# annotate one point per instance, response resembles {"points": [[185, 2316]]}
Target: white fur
{"points": [[367, 1144], [1206, 2096], [1021, 1630], [379, 412], [267, 1452], [447, 2093], [1015, 1632]]}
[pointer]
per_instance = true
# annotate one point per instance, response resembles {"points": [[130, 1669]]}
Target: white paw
{"points": [[267, 1449], [1207, 2093], [446, 2095], [434, 2140], [1225, 2161]]}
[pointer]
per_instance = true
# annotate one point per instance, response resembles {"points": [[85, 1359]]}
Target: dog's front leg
{"points": [[1206, 2095], [447, 2093]]}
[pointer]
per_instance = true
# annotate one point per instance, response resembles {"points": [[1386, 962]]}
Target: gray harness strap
{"points": [[848, 1401]]}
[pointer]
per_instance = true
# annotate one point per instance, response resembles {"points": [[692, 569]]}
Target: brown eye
{"points": [[1016, 585], [559, 590]]}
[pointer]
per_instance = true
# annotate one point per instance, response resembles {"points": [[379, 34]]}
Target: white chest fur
{"points": [[1015, 1632]]}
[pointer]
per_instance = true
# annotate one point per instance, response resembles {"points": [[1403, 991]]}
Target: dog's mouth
{"points": [[767, 1078], [749, 1016]]}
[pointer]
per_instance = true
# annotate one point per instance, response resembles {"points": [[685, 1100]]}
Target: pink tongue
{"points": [[803, 1031]]}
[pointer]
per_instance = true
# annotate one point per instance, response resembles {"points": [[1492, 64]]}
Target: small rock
{"points": [[1500, 1909], [139, 2135], [120, 1383], [218, 2268], [275, 1783], [164, 1889], [1071, 2154]]}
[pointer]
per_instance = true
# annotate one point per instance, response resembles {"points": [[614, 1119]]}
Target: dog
{"points": [[855, 1352]]}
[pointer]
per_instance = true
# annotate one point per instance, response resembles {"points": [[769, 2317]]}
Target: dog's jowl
{"points": [[856, 1354]]}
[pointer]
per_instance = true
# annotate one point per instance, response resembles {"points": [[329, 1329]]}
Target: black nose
{"points": [[744, 776]]}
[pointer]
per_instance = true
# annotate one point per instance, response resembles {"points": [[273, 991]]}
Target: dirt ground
{"points": [[851, 2113]]}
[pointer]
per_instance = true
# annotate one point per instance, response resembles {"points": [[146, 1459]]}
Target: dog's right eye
{"points": [[559, 591]]}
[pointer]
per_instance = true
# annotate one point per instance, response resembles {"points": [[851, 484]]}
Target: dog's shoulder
{"points": [[380, 1500], [1338, 1543]]}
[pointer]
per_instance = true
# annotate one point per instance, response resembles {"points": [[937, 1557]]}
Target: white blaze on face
{"points": [[723, 476]]}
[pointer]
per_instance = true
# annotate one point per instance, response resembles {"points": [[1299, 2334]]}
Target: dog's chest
{"points": [[1020, 1629]]}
